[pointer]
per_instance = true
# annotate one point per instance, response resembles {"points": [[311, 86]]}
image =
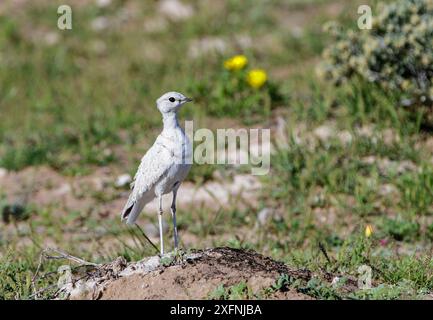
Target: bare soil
{"points": [[192, 276]]}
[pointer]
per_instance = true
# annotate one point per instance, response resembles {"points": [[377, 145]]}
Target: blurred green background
{"points": [[77, 109]]}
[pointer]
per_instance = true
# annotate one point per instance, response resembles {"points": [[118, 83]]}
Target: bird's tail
{"points": [[131, 211]]}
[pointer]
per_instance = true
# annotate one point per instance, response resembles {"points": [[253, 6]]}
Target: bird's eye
{"points": [[171, 99]]}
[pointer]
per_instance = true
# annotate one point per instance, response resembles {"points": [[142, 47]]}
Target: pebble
{"points": [[3, 172], [175, 10], [324, 133], [100, 23], [263, 216], [335, 281], [63, 189], [123, 180], [103, 3]]}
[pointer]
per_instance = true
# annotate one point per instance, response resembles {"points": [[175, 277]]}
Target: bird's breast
{"points": [[178, 145]]}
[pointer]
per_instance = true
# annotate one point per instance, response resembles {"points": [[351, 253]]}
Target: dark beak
{"points": [[188, 100]]}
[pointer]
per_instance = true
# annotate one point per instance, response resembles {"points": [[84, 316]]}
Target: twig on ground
{"points": [[67, 256], [35, 295]]}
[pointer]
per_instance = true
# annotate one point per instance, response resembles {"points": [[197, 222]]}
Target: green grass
{"points": [[61, 90], [235, 292]]}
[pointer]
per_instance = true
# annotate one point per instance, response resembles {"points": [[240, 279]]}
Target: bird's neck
{"points": [[170, 120]]}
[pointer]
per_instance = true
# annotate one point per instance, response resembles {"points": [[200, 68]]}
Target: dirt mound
{"points": [[194, 275]]}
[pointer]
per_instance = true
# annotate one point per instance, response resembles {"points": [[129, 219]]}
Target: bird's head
{"points": [[171, 102]]}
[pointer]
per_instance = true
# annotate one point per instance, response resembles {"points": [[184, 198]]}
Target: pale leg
{"points": [[173, 215], [161, 236]]}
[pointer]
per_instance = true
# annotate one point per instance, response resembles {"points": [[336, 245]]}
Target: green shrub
{"points": [[396, 54]]}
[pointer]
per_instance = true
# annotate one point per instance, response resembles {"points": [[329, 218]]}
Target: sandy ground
{"points": [[192, 276]]}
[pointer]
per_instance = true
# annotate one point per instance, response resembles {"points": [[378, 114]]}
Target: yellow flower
{"points": [[368, 231], [256, 78], [236, 63]]}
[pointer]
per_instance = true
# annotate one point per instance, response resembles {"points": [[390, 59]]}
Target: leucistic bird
{"points": [[163, 168]]}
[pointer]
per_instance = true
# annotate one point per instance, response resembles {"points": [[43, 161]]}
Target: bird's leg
{"points": [[161, 236], [173, 215]]}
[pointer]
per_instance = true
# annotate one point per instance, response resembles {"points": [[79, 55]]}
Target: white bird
{"points": [[164, 166]]}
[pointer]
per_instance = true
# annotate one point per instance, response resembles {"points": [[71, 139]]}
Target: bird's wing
{"points": [[153, 167]]}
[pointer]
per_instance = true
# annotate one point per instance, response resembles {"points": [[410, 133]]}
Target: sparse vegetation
{"points": [[395, 54]]}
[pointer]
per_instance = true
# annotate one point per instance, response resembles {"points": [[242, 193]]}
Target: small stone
{"points": [[100, 23], [263, 216], [3, 172], [335, 281], [123, 180], [63, 189], [82, 289], [103, 3], [175, 10], [51, 38], [369, 160], [142, 267], [323, 133], [151, 264], [297, 32]]}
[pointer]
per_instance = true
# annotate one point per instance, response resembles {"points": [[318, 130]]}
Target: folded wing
{"points": [[154, 166]]}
